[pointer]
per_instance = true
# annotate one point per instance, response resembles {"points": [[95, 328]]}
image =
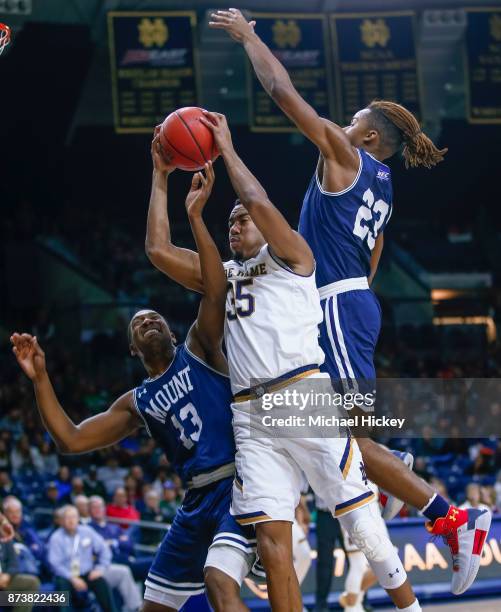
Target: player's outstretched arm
{"points": [[182, 265], [206, 334], [284, 241], [329, 137], [99, 431]]}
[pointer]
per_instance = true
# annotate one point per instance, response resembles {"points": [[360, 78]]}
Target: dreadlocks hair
{"points": [[398, 126]]}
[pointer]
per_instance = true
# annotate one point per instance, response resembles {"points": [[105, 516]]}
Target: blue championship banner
{"points": [[153, 67], [299, 42], [483, 69], [375, 57]]}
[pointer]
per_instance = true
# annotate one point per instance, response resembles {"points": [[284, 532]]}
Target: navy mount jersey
{"points": [[341, 228], [187, 411]]}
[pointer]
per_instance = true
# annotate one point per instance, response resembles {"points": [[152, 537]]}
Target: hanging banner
{"points": [[299, 41], [483, 69], [375, 57], [153, 67]]}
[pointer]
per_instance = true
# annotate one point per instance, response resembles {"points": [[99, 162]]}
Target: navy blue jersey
{"points": [[187, 411], [341, 228]]}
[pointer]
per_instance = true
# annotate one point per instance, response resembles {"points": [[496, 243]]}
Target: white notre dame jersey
{"points": [[272, 318]]}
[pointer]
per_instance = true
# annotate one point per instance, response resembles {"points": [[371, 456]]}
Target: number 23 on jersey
{"points": [[370, 214]]}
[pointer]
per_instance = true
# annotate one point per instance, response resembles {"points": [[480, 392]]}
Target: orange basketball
{"points": [[187, 141]]}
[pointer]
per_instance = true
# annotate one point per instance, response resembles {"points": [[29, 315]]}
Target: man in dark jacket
{"points": [[10, 579]]}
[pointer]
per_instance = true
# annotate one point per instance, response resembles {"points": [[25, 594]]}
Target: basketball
{"points": [[188, 142]]}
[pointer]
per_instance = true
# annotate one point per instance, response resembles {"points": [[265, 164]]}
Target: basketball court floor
{"points": [[481, 605]]}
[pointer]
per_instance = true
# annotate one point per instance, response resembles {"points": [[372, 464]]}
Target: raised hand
{"points": [[201, 187], [160, 158], [216, 122], [233, 22], [29, 355]]}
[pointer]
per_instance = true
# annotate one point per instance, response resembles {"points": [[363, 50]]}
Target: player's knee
{"points": [[223, 591], [367, 531]]}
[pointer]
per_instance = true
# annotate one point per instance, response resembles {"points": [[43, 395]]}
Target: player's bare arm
{"points": [[104, 429], [206, 334], [286, 243], [376, 256], [182, 265], [329, 137]]}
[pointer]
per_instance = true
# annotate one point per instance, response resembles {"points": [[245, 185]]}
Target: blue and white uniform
{"points": [[187, 411], [341, 229]]}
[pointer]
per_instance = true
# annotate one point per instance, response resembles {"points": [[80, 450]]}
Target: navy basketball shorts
{"points": [[348, 337], [203, 522]]}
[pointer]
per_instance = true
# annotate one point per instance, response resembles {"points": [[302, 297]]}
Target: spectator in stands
{"points": [[120, 508], [163, 475], [440, 488], [133, 490], [7, 487], [13, 422], [118, 574], [51, 498], [169, 504], [421, 469], [455, 444], [92, 485], [24, 532], [82, 505], [10, 577], [63, 483], [473, 497], [49, 458], [79, 557], [111, 475], [497, 487], [153, 514], [121, 542], [427, 444], [484, 462], [4, 456], [77, 488], [489, 498], [24, 456]]}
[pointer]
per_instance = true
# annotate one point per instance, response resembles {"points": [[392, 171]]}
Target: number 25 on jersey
{"points": [[370, 214]]}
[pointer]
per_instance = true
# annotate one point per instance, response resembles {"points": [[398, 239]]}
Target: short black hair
{"points": [[391, 136]]}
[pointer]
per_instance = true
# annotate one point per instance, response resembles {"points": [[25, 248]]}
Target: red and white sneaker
{"points": [[390, 505], [464, 531]]}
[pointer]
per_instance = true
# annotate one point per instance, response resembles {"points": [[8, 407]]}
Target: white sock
{"points": [[415, 607]]}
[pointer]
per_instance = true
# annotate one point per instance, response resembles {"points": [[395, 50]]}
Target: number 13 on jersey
{"points": [[372, 213]]}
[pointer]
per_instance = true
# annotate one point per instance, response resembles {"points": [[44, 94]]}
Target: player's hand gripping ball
{"points": [[186, 142]]}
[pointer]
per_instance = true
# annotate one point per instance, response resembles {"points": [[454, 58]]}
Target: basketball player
{"points": [[271, 336], [184, 404], [344, 214]]}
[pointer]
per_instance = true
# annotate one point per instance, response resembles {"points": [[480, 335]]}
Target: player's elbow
{"points": [[71, 445], [65, 448], [153, 251]]}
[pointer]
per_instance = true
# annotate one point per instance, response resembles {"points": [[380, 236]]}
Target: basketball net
{"points": [[4, 36]]}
